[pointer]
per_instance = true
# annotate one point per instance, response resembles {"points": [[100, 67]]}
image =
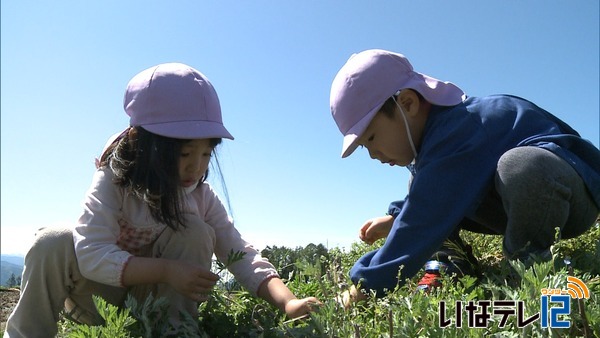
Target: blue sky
{"points": [[65, 65]]}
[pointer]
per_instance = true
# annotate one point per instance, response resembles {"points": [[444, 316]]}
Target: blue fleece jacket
{"points": [[457, 160]]}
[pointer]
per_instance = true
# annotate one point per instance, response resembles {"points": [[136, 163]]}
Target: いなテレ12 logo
{"points": [[555, 305], [549, 316]]}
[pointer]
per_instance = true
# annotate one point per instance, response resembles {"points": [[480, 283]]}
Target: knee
{"points": [[196, 241], [195, 233], [530, 168], [52, 241], [519, 165]]}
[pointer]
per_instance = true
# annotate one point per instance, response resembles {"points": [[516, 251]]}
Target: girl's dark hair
{"points": [[389, 106], [147, 164]]}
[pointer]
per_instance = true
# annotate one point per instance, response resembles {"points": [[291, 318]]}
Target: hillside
{"points": [[14, 259]]}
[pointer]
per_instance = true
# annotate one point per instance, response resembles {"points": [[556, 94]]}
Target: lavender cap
{"points": [[174, 100], [368, 79]]}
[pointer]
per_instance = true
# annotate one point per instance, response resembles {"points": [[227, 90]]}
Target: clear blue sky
{"points": [[65, 65]]}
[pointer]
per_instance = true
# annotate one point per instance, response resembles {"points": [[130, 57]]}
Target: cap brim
{"points": [[189, 130], [349, 145], [350, 142]]}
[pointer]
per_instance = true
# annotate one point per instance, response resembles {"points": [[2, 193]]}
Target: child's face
{"points": [[386, 140], [193, 161]]}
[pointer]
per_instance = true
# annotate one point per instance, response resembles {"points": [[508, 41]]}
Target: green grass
{"points": [[232, 312]]}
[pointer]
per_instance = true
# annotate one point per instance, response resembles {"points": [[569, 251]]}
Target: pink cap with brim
{"points": [[368, 79], [175, 100]]}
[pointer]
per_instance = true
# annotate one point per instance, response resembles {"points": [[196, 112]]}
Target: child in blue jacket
{"points": [[497, 164]]}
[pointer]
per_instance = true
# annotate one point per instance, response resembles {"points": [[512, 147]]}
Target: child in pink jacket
{"points": [[150, 222]]}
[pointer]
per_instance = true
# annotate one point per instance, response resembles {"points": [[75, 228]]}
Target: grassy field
{"points": [[505, 300]]}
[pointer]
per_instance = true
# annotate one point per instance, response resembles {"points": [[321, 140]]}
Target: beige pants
{"points": [[52, 282]]}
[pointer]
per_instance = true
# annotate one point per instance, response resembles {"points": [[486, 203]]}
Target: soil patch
{"points": [[8, 301]]}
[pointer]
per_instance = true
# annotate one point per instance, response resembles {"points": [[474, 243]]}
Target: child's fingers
{"points": [[208, 275], [367, 236], [363, 233], [366, 226], [206, 283], [313, 301]]}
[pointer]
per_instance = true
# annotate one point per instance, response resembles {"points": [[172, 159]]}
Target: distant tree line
{"points": [[291, 262], [13, 281]]}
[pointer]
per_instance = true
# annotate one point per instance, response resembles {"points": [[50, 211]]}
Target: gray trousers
{"points": [[52, 282], [535, 191]]}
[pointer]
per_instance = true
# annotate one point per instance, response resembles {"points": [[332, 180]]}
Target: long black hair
{"points": [[147, 164]]}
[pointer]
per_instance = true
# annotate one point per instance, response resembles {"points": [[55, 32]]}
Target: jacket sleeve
{"points": [[252, 269], [395, 208], [98, 256]]}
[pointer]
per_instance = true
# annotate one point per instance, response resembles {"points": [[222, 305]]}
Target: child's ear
{"points": [[410, 102]]}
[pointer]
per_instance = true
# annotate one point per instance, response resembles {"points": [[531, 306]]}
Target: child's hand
{"points": [[376, 228], [191, 280], [349, 297], [276, 293], [298, 307]]}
